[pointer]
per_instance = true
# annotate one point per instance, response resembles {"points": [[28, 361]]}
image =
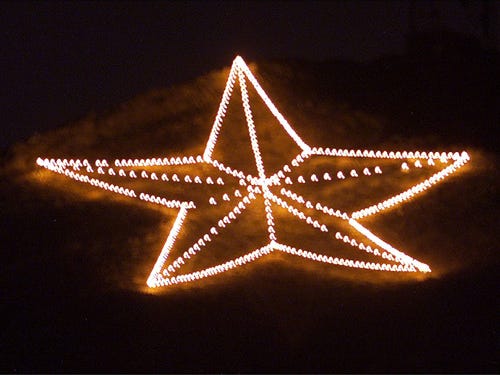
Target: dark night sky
{"points": [[62, 60]]}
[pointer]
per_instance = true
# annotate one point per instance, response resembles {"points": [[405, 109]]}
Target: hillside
{"points": [[76, 259]]}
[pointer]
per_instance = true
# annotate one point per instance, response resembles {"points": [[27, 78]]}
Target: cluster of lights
{"points": [[166, 272], [155, 162], [327, 177]]}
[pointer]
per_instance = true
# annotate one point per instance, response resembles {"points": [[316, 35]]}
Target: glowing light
{"points": [[166, 271]]}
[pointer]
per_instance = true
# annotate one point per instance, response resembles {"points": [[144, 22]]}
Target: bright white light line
{"points": [[169, 243], [163, 272]]}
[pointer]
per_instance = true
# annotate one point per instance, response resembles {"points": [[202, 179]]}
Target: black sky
{"points": [[61, 60]]}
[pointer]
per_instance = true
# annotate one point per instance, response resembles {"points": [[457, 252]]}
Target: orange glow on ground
{"points": [[308, 208]]}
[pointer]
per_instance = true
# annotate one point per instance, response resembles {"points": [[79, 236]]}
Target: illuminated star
{"points": [[316, 193]]}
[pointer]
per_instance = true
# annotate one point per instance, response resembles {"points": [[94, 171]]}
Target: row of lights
{"points": [[230, 171], [326, 176], [154, 162], [165, 202], [269, 215], [367, 248], [225, 197], [251, 126], [318, 206], [149, 162], [298, 213], [442, 156]]}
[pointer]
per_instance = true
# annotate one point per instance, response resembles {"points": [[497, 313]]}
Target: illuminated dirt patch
{"points": [[232, 212]]}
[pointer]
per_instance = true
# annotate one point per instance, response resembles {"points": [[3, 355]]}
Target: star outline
{"points": [[261, 186]]}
